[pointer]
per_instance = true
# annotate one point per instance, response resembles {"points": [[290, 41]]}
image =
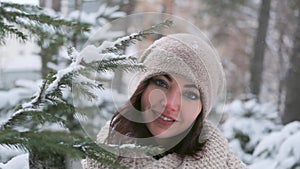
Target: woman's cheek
{"points": [[154, 97], [191, 109]]}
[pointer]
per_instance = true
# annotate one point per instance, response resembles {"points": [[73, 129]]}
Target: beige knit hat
{"points": [[189, 56]]}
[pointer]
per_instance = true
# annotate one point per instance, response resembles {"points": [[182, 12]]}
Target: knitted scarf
{"points": [[215, 154]]}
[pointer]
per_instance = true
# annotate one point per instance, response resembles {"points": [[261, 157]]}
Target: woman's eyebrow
{"points": [[168, 77], [190, 86]]}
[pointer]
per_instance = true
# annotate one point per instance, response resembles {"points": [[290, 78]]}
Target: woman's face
{"points": [[171, 105]]}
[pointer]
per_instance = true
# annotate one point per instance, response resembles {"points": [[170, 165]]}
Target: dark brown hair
{"points": [[189, 145]]}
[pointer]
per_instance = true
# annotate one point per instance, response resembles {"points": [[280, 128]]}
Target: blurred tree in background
{"points": [[257, 59], [292, 106], [50, 32]]}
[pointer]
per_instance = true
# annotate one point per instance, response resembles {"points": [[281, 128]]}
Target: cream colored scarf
{"points": [[215, 154]]}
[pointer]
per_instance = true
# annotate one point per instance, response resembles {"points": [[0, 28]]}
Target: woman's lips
{"points": [[164, 116]]}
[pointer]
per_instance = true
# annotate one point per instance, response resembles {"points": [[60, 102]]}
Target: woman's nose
{"points": [[172, 100]]}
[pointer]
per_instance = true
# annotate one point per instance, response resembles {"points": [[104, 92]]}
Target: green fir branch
{"points": [[123, 63], [155, 29], [57, 143], [122, 44], [49, 106], [83, 92], [51, 93], [31, 119], [32, 18], [12, 12], [12, 31]]}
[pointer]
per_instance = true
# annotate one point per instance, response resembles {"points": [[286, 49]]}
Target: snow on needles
{"points": [[281, 147], [88, 55], [19, 162], [254, 127]]}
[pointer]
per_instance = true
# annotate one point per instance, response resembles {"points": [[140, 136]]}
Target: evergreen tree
{"points": [[29, 128]]}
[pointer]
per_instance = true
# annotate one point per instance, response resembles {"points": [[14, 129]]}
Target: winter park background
{"points": [[258, 45]]}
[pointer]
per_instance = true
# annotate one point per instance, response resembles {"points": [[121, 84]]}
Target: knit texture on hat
{"points": [[192, 58]]}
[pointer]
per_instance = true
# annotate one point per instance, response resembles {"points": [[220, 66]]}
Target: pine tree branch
{"points": [[12, 30], [57, 143], [120, 44], [50, 106], [32, 19], [72, 145], [50, 91], [12, 12], [123, 63]]}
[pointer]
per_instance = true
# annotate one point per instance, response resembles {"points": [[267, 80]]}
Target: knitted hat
{"points": [[190, 57]]}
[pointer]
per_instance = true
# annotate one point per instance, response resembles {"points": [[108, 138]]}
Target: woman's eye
{"points": [[192, 95], [161, 83]]}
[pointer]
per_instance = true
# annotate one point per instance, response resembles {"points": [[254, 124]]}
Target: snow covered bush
{"points": [[255, 133], [246, 124], [19, 161], [279, 149]]}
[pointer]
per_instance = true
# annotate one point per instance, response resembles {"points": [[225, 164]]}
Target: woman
{"points": [[183, 79]]}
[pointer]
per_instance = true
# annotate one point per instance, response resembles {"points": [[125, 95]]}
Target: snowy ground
{"points": [[15, 159], [13, 69]]}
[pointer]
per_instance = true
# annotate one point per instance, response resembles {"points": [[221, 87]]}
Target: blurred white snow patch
{"points": [[282, 147], [51, 12], [289, 152], [26, 88], [268, 144], [235, 144], [104, 34], [52, 127], [236, 107], [63, 52], [6, 153], [90, 54], [24, 63], [291, 128], [93, 18], [108, 75], [13, 158], [53, 66], [85, 17], [29, 84], [19, 162], [19, 56], [267, 164], [251, 108], [247, 123], [13, 96], [29, 2]]}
